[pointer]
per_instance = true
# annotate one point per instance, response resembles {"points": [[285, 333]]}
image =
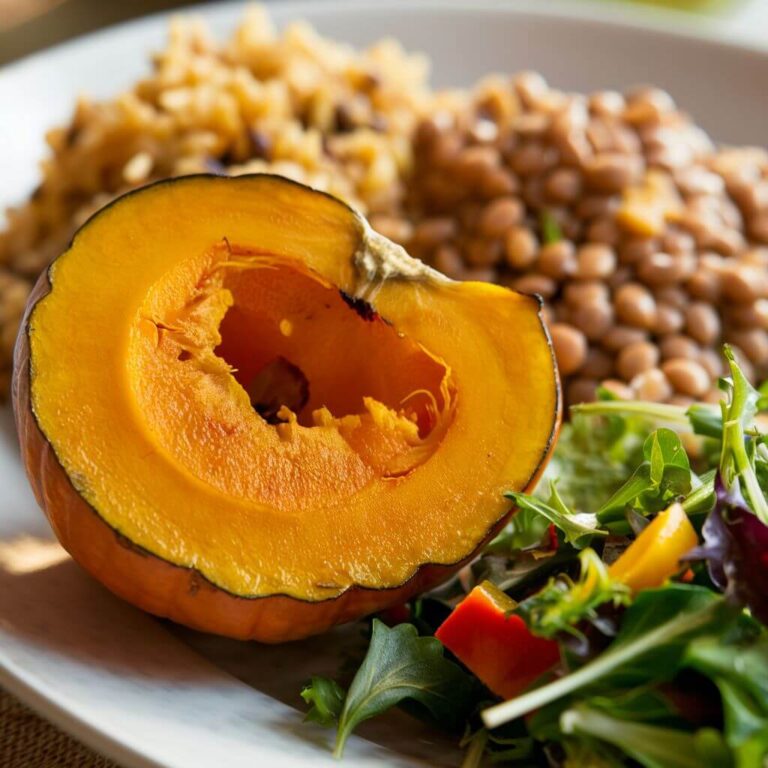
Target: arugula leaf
{"points": [[561, 603], [706, 420], [701, 498], [326, 698], [594, 456], [401, 665], [664, 475], [525, 530], [740, 671], [578, 527], [651, 745], [485, 748], [738, 417], [650, 643]]}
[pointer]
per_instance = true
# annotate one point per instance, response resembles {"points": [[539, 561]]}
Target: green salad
{"points": [[620, 617]]}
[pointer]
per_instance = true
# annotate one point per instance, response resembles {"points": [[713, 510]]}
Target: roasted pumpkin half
{"points": [[244, 410]]}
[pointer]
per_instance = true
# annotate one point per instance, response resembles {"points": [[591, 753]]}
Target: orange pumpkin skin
{"points": [[181, 593]]}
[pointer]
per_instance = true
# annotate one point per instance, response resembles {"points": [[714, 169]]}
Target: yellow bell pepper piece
{"points": [[647, 207], [655, 554]]}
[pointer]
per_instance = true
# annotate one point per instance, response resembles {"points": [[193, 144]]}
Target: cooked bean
{"points": [[758, 227], [585, 292], [393, 227], [448, 260], [676, 241], [533, 283], [557, 260], [669, 319], [430, 233], [687, 376], [595, 261], [647, 105], [702, 323], [500, 216], [592, 206], [757, 257], [619, 276], [651, 385], [597, 364], [474, 160], [570, 347], [663, 268], [612, 171], [621, 336], [580, 390], [494, 182], [705, 285], [748, 315], [521, 247], [563, 185], [481, 252], [604, 230], [481, 275], [635, 305], [677, 345], [754, 343], [532, 157], [636, 358], [672, 295], [593, 319], [607, 103], [743, 283], [634, 250], [530, 86]]}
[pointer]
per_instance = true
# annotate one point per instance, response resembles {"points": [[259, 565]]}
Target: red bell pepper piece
{"points": [[498, 647]]}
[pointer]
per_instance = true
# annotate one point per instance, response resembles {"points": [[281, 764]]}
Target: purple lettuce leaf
{"points": [[736, 550]]}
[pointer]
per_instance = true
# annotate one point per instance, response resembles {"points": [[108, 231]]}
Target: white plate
{"points": [[148, 694]]}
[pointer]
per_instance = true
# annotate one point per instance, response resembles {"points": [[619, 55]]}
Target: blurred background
{"points": [[27, 26]]}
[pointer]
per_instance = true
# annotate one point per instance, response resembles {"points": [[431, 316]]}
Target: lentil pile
{"points": [[648, 243]]}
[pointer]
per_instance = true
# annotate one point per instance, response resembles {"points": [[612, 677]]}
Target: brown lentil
{"points": [[677, 345], [754, 343], [635, 305], [570, 347], [621, 336], [637, 358], [669, 319], [533, 283], [593, 319], [597, 364], [687, 376], [702, 323], [581, 391], [556, 260], [595, 261], [521, 246], [500, 216], [651, 385]]}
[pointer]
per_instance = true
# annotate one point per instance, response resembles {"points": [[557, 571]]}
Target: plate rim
{"points": [[649, 19]]}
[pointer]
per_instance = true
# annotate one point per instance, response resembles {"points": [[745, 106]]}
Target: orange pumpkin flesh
{"points": [[244, 410]]}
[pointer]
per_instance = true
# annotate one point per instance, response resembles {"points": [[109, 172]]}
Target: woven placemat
{"points": [[27, 741]]}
